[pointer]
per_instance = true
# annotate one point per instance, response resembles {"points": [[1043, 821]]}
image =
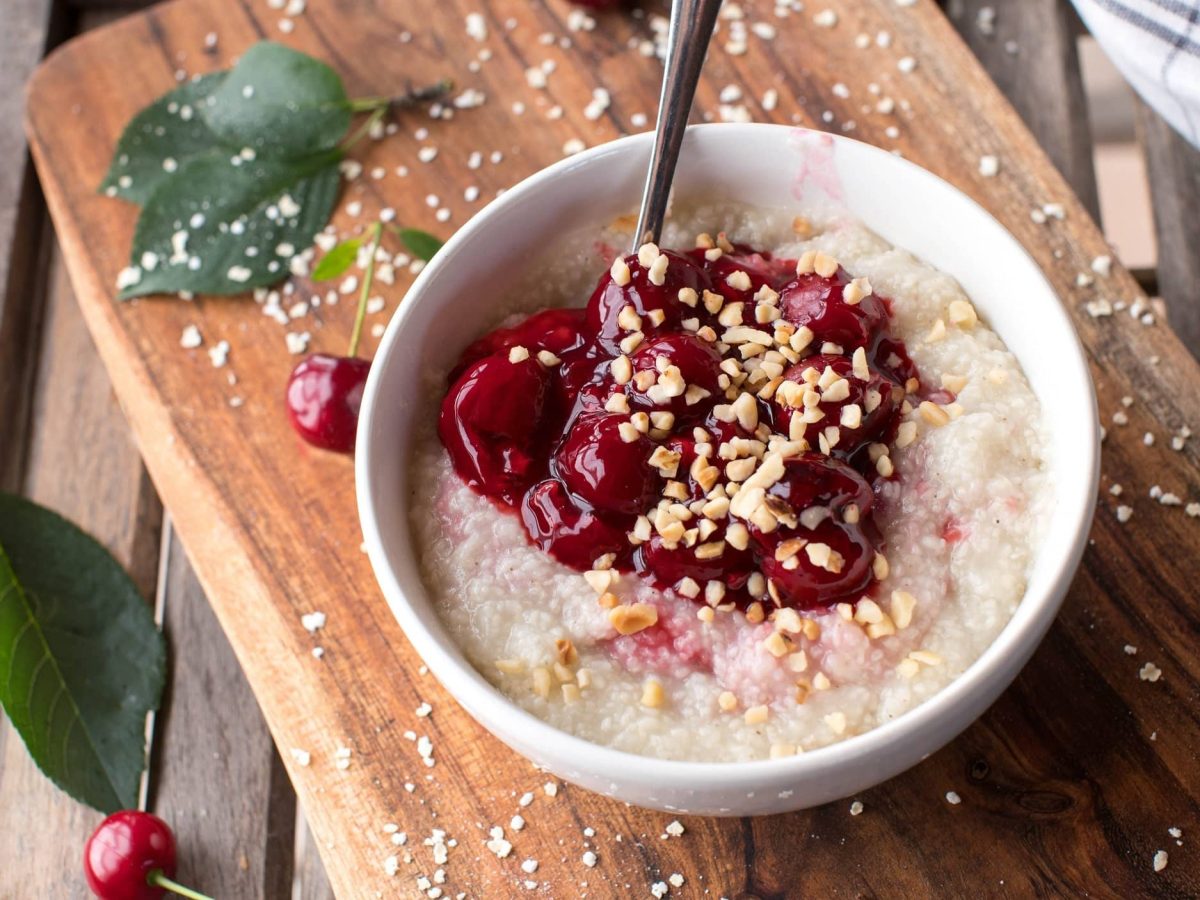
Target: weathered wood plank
{"points": [[1173, 167], [311, 882], [216, 776], [1029, 50], [1065, 791], [28, 30], [83, 463]]}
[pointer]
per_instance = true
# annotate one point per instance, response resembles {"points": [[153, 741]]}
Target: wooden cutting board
{"points": [[1068, 785]]}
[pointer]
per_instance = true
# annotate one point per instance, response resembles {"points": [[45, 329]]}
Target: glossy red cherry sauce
{"points": [[617, 429]]}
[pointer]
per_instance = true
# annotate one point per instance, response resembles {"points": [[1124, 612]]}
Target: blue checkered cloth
{"points": [[1156, 45]]}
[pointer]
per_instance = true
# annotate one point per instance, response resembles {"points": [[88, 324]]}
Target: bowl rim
{"points": [[502, 716]]}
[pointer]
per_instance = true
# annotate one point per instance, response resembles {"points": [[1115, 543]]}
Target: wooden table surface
{"points": [[1069, 783]]}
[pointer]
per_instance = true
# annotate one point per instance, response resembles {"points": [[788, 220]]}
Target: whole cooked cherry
{"points": [[604, 470], [491, 424], [679, 361], [668, 564], [605, 314], [581, 381], [891, 358], [131, 856], [818, 302], [861, 411], [324, 394], [824, 565], [760, 269], [685, 445], [575, 535], [815, 487], [561, 331]]}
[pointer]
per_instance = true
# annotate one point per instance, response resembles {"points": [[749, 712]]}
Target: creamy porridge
{"points": [[780, 507]]}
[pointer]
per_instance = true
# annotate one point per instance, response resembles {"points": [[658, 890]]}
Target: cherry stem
{"points": [[376, 232], [365, 128], [411, 97], [158, 879]]}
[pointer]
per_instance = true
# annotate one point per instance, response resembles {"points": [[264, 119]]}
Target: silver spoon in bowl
{"points": [[691, 29]]}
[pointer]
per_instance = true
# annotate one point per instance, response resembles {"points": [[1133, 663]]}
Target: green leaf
{"points": [[224, 228], [81, 661], [160, 138], [337, 260], [420, 243], [280, 102]]}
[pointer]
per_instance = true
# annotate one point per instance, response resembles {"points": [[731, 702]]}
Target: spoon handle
{"points": [[691, 30]]}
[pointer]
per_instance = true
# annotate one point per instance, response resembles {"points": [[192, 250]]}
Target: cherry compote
{"points": [[717, 420]]}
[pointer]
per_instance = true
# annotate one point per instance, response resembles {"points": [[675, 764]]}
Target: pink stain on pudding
{"points": [[817, 166], [671, 647], [955, 530]]}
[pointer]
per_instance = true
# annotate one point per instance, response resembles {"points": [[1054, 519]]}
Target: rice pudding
{"points": [[765, 492]]}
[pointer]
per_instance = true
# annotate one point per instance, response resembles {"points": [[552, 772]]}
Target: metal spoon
{"points": [[691, 30]]}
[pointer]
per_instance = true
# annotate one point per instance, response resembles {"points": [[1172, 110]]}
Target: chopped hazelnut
{"points": [[932, 413], [962, 314], [903, 604], [632, 618], [565, 650], [652, 694], [620, 272], [621, 369], [825, 265], [757, 715]]}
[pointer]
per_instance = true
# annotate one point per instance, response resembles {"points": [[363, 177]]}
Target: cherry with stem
{"points": [[131, 856], [324, 392]]}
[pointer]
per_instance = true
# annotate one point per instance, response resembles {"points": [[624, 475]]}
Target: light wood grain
{"points": [[1064, 791]]}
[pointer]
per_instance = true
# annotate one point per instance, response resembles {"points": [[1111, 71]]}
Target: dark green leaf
{"points": [[280, 102], [337, 260], [160, 138], [222, 228], [81, 661], [420, 243]]}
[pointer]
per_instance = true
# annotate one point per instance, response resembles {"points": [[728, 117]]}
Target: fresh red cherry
{"points": [[324, 394], [609, 299], [131, 856], [604, 470], [802, 583], [491, 423], [573, 534], [818, 303], [877, 399], [699, 366]]}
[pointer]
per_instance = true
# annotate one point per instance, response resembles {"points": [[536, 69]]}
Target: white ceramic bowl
{"points": [[771, 166]]}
